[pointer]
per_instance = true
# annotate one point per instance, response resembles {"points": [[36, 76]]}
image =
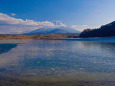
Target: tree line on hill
{"points": [[107, 30]]}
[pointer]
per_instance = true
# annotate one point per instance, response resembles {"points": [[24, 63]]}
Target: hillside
{"points": [[58, 31], [107, 30]]}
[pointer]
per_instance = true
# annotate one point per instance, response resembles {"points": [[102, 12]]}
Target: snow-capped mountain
{"points": [[58, 30]]}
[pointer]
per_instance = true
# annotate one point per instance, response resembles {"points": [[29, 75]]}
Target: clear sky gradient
{"points": [[93, 13]]}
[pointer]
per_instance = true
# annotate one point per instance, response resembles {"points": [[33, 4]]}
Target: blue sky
{"points": [[77, 13]]}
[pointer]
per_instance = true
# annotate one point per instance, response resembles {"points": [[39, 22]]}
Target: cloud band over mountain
{"points": [[11, 25]]}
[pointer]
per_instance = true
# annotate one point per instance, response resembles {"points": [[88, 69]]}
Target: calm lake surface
{"points": [[91, 59]]}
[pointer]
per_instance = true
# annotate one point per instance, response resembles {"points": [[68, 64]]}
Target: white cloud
{"points": [[13, 14], [13, 25], [59, 24]]}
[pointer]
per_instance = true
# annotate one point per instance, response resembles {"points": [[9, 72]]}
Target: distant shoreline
{"points": [[43, 36], [39, 36]]}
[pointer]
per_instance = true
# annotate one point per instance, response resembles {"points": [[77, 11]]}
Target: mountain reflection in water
{"points": [[6, 47]]}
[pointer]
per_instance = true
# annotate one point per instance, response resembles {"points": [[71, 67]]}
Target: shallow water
{"points": [[60, 60]]}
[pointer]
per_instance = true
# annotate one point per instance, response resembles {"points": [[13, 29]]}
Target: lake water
{"points": [[60, 60]]}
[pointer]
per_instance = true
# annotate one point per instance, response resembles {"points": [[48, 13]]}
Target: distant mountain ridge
{"points": [[59, 30], [104, 31]]}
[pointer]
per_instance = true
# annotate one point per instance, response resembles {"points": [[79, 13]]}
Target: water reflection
{"points": [[46, 58], [6, 47]]}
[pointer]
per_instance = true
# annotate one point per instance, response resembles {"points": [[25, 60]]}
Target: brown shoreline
{"points": [[40, 36], [43, 36]]}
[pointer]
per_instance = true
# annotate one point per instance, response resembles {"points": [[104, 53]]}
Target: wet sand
{"points": [[16, 82], [65, 80]]}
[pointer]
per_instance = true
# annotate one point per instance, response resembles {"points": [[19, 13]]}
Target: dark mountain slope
{"points": [[104, 31]]}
